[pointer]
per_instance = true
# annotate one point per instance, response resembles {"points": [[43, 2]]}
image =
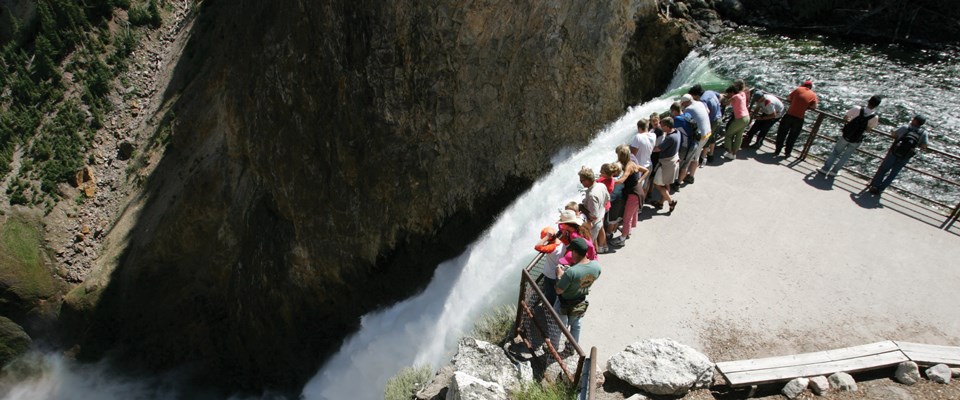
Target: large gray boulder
{"points": [[662, 366], [554, 373], [485, 361], [467, 387], [939, 373], [907, 373]]}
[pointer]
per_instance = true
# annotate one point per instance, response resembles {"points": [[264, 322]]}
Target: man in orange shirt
{"points": [[801, 99]]}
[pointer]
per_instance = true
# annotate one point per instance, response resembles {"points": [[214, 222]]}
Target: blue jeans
{"points": [[550, 289], [840, 154], [889, 168], [574, 324]]}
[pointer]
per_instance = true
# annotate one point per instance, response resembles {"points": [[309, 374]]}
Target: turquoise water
{"points": [[845, 74]]}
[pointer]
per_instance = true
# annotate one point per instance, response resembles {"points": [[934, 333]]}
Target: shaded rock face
{"points": [[327, 155], [921, 21], [655, 41]]}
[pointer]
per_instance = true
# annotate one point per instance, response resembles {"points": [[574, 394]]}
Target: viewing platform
{"points": [[764, 257]]}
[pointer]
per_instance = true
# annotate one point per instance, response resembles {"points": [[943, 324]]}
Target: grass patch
{"points": [[544, 391], [405, 384], [496, 326], [22, 268]]}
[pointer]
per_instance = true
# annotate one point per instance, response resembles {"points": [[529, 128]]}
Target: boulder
{"points": [[730, 8], [13, 341], [907, 373], [554, 373], [437, 387], [125, 150], [955, 372], [662, 366], [525, 369], [467, 387], [795, 388], [485, 361], [638, 396], [843, 381], [819, 385], [939, 373]]}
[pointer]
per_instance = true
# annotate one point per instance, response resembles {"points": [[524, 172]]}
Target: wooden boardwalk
{"points": [[851, 359]]}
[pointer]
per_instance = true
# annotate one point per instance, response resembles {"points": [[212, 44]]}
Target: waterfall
{"points": [[424, 329], [420, 330]]}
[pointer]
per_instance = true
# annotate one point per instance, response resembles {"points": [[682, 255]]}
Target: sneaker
{"points": [[729, 156], [603, 250], [675, 186], [688, 180], [873, 190], [822, 171], [832, 174], [617, 241], [756, 145]]}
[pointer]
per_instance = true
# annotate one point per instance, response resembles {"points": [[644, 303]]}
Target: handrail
{"points": [[592, 377], [530, 288], [951, 215]]}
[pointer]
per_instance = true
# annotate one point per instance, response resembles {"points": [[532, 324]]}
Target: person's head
{"points": [[643, 125], [616, 169], [569, 220], [587, 177], [757, 95], [686, 100], [605, 170], [696, 91], [623, 154], [874, 101], [654, 119], [675, 109], [666, 124], [578, 248], [918, 120], [739, 84], [807, 84], [572, 206], [732, 90]]}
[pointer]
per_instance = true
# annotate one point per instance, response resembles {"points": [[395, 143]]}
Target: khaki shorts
{"points": [[668, 171]]}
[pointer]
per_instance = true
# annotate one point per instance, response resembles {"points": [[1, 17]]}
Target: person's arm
{"points": [[561, 283], [626, 173]]}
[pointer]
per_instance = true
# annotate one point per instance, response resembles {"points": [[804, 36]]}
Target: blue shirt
{"points": [[681, 124], [712, 100]]}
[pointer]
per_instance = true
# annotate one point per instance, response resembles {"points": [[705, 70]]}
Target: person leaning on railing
{"points": [[573, 286], [858, 120], [908, 138]]}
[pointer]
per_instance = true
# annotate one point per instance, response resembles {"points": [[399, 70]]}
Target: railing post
{"points": [[591, 385], [953, 217], [813, 135], [523, 295]]}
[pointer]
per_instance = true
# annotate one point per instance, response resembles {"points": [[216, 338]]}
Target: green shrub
{"points": [[496, 326], [544, 391], [149, 15], [405, 384]]}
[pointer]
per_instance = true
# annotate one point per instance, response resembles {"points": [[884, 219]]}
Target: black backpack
{"points": [[906, 145], [853, 130]]}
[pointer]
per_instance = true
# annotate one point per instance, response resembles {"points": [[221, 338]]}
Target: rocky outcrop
{"points": [[886, 20], [13, 341], [466, 387], [326, 156]]}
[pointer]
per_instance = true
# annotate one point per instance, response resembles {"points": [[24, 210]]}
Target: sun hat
{"points": [[569, 217], [808, 83]]}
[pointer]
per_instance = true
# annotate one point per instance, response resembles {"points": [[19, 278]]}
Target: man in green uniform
{"points": [[573, 285]]}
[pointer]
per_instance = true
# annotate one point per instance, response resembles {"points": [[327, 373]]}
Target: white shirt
{"points": [[772, 105], [596, 200], [644, 143], [855, 111]]}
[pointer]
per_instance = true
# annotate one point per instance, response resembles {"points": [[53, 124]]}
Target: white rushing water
{"points": [[419, 330], [424, 329]]}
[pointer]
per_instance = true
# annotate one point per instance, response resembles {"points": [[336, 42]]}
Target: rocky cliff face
{"points": [[327, 155]]}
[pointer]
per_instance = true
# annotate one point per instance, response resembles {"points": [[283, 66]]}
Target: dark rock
{"points": [[125, 150], [730, 8], [14, 342]]}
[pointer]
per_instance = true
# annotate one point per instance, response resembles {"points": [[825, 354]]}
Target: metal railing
{"points": [[949, 211], [538, 325]]}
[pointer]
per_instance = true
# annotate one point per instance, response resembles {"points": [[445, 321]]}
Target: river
{"points": [[424, 329]]}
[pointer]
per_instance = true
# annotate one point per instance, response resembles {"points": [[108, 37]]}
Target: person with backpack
{"points": [[858, 121], [908, 138]]}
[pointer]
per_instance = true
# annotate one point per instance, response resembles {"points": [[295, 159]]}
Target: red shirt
{"points": [[801, 100]]}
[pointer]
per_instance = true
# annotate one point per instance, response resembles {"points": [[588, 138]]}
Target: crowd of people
{"points": [[666, 152]]}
